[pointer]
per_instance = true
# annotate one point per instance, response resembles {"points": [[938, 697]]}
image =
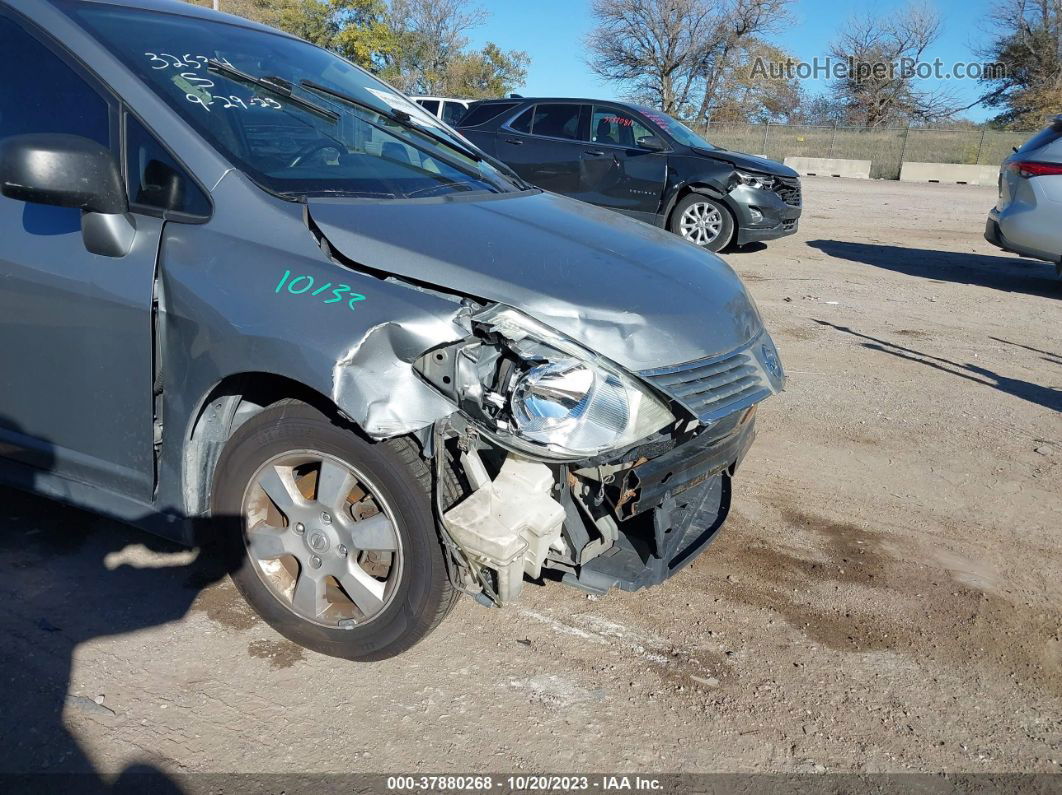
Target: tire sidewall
{"points": [[726, 234], [423, 582]]}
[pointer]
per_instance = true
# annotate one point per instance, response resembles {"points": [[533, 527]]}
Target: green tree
{"points": [[491, 72]]}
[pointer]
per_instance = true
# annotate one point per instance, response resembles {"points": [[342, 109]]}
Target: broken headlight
{"points": [[761, 181], [537, 391]]}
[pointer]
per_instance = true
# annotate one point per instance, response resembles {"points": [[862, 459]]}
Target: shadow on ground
{"points": [[67, 578], [1009, 273], [1046, 396]]}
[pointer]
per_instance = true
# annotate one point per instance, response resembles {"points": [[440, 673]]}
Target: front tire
{"points": [[336, 547], [703, 221]]}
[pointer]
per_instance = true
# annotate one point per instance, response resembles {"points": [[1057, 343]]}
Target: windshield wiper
{"points": [[274, 85], [395, 115]]}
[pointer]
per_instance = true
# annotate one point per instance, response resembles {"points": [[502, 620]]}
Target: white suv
{"points": [[446, 108]]}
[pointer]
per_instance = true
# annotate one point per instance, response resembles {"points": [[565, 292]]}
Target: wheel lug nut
{"points": [[315, 562], [300, 528], [326, 518], [341, 551]]}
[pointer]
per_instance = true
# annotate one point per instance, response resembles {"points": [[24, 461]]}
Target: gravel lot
{"points": [[887, 596]]}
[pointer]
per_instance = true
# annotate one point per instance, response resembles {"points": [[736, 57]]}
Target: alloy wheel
{"points": [[322, 539], [701, 223]]}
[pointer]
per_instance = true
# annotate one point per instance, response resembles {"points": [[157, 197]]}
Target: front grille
{"points": [[788, 188], [715, 387]]}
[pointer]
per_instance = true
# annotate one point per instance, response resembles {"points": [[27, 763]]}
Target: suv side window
{"points": [[155, 179], [613, 126], [557, 121], [522, 123], [48, 96], [452, 112]]}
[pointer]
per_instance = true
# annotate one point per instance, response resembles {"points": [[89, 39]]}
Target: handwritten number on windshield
{"points": [[191, 78]]}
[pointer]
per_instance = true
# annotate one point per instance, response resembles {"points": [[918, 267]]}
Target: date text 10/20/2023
{"points": [[304, 283]]}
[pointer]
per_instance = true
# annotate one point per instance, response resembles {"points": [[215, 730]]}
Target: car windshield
{"points": [[295, 118], [676, 129]]}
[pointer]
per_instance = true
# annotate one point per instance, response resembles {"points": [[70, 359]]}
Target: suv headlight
{"points": [[761, 181], [535, 390]]}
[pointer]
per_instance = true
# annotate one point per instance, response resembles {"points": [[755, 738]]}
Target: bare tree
{"points": [[882, 84], [1026, 53], [673, 53]]}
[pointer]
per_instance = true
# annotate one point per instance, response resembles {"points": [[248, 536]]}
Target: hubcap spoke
{"points": [[279, 485], [362, 589], [268, 543], [309, 594], [374, 533], [334, 483]]}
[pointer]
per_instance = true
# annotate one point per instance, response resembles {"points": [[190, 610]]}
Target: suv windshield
{"points": [[257, 98], [676, 129]]}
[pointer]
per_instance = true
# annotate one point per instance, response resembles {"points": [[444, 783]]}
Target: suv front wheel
{"points": [[336, 548], [703, 222]]}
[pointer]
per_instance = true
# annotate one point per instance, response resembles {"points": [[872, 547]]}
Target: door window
{"points": [[614, 127], [48, 96], [522, 123], [155, 179], [430, 105], [452, 112], [556, 121]]}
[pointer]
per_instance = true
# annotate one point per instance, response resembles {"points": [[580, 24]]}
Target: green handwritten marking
{"points": [[343, 288], [296, 280], [340, 292]]}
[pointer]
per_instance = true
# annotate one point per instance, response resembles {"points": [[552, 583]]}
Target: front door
{"points": [[75, 327], [617, 173]]}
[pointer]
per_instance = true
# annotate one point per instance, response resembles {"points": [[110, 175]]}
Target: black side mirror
{"points": [[71, 171], [62, 170], [651, 143]]}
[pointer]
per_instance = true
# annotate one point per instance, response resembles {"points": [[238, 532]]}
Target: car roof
{"points": [[586, 100], [186, 10]]}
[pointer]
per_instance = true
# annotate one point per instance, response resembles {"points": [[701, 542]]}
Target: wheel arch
{"points": [[228, 404], [705, 188]]}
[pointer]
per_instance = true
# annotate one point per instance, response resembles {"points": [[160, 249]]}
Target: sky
{"points": [[552, 32]]}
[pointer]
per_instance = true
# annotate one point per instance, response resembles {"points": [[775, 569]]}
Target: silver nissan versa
{"points": [[252, 295]]}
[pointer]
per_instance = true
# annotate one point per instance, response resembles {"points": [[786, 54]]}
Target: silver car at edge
{"points": [[252, 295], [1027, 219]]}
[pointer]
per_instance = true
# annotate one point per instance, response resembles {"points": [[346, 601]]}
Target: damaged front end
{"points": [[560, 461]]}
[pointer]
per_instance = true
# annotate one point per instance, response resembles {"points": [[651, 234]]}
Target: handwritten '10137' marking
{"points": [[303, 284]]}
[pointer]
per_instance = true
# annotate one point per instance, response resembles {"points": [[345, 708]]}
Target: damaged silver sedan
{"points": [[256, 284]]}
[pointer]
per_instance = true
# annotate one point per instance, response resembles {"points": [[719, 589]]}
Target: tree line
{"points": [[704, 60], [419, 46]]}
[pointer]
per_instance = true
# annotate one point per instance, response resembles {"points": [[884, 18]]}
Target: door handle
{"points": [[515, 141], [594, 152]]}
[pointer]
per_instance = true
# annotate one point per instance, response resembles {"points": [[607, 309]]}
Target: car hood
{"points": [[750, 162], [634, 293]]}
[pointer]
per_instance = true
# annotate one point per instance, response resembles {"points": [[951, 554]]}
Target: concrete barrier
{"points": [[829, 167], [950, 173]]}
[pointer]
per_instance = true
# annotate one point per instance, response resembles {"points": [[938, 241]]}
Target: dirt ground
{"points": [[887, 595]]}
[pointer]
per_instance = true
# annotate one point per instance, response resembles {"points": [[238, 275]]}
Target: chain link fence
{"points": [[886, 148]]}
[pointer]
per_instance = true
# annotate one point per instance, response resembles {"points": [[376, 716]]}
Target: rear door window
{"points": [[557, 121], [522, 123]]}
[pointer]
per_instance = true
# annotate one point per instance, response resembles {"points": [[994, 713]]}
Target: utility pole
{"points": [[217, 5]]}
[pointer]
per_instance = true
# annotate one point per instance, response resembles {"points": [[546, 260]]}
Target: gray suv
{"points": [[252, 296], [1027, 219]]}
